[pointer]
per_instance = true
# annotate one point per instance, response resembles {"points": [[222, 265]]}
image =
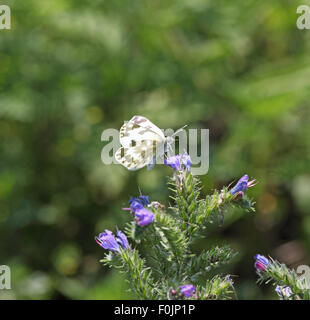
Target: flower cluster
{"points": [[179, 162], [181, 165], [143, 215], [187, 290], [108, 241], [242, 185], [141, 201], [184, 291], [261, 262], [283, 292]]}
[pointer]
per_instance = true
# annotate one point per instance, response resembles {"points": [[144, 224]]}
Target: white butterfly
{"points": [[142, 144]]}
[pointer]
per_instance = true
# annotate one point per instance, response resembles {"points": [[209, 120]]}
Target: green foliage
{"points": [[196, 214], [217, 288], [207, 260], [140, 276]]}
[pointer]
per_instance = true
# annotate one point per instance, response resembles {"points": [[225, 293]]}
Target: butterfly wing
{"points": [[137, 130], [141, 141], [147, 125], [134, 158]]}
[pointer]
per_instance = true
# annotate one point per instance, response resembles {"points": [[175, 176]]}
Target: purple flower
{"points": [[179, 161], [242, 185], [145, 200], [138, 203], [108, 241], [122, 239], [187, 290], [143, 216], [283, 291], [174, 292], [186, 160], [135, 205], [261, 262], [174, 162]]}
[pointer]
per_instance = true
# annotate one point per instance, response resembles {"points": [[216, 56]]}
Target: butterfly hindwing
{"points": [[135, 157]]}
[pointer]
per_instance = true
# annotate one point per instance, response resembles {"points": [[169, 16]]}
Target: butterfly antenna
{"points": [[179, 130]]}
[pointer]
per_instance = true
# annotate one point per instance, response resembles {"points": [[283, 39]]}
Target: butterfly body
{"points": [[142, 144]]}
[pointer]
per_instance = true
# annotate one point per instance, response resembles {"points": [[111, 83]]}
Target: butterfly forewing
{"points": [[139, 129], [148, 125]]}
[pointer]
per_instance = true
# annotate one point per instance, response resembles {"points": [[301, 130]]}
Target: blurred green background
{"points": [[71, 68]]}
